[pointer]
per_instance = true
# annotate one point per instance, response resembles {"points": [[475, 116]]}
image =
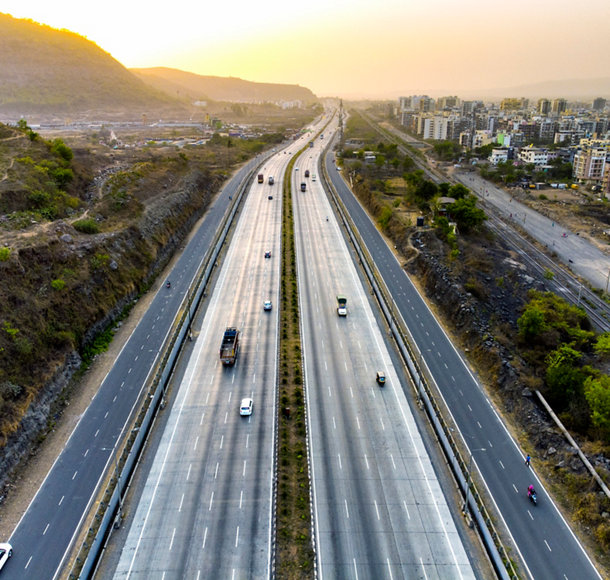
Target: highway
{"points": [[541, 537], [44, 535], [379, 509], [206, 509]]}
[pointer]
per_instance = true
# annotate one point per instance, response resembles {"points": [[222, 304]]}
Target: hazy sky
{"points": [[348, 47]]}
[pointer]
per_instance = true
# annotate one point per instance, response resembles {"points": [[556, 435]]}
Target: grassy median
{"points": [[294, 549]]}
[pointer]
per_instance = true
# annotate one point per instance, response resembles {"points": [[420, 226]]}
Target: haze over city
{"points": [[350, 48]]}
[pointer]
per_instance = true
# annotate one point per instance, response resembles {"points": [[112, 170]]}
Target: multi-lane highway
{"points": [[206, 508], [541, 536], [379, 509], [46, 532]]}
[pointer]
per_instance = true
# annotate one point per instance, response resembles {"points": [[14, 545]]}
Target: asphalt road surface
{"points": [[379, 509], [206, 508], [541, 536]]}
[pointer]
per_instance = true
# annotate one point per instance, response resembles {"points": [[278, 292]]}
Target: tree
{"points": [[597, 393], [602, 346], [532, 323], [458, 191], [466, 214]]}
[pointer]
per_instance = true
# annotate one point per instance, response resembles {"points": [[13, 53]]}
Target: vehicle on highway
{"points": [[271, 180], [267, 254], [341, 305], [380, 378], [296, 168], [303, 186], [267, 305], [229, 346], [270, 197], [6, 551], [313, 177], [307, 173], [261, 178], [246, 406]]}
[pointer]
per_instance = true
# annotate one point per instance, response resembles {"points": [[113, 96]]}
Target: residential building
{"points": [[534, 155], [599, 104], [544, 106], [559, 106], [498, 155]]}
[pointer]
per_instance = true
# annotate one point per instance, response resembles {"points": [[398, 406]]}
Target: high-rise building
{"points": [[559, 106], [544, 106], [599, 104]]}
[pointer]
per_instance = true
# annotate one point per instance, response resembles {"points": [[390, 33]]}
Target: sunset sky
{"points": [[376, 48]]}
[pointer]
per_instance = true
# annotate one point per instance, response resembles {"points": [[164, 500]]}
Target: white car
{"points": [[246, 406], [6, 551], [267, 305]]}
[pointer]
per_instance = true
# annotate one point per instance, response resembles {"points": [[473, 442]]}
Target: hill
{"points": [[185, 85], [44, 71], [573, 89]]}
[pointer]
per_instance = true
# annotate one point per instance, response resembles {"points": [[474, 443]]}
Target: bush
{"points": [[58, 284], [5, 254], [86, 226]]}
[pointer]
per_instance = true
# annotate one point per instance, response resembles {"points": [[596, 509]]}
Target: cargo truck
{"points": [[341, 305], [229, 346]]}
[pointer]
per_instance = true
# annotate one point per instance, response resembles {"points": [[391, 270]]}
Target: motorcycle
{"points": [[532, 497], [168, 285]]}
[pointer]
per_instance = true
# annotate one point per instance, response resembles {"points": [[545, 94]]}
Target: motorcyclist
{"points": [[168, 284], [531, 491]]}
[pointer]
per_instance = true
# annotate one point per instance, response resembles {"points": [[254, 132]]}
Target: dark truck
{"points": [[229, 346]]}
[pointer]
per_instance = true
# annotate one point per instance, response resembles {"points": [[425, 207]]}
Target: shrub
{"points": [[86, 226], [5, 254], [58, 284]]}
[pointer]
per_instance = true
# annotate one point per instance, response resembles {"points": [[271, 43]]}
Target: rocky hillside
{"points": [[180, 84], [44, 71]]}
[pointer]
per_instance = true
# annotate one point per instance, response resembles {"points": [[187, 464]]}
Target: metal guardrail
{"points": [[129, 448], [424, 381]]}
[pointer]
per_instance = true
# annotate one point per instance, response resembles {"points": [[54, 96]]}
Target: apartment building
{"points": [[537, 156], [591, 162]]}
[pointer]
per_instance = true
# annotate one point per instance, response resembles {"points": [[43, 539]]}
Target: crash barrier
{"points": [[126, 453], [424, 385]]}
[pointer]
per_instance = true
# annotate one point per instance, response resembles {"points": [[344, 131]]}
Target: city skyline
{"points": [[349, 49]]}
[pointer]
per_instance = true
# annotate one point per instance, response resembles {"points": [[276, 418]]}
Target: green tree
{"points": [[602, 345], [458, 191], [531, 323], [466, 214], [597, 393]]}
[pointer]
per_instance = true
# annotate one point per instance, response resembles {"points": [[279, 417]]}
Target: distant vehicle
{"points": [[380, 378], [313, 177], [341, 305], [245, 407], [307, 173], [311, 143], [303, 186], [269, 197], [261, 178], [6, 551], [271, 181], [229, 346], [296, 168], [267, 305], [267, 254], [322, 136]]}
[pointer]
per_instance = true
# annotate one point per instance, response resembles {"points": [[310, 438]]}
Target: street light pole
{"points": [[465, 506]]}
